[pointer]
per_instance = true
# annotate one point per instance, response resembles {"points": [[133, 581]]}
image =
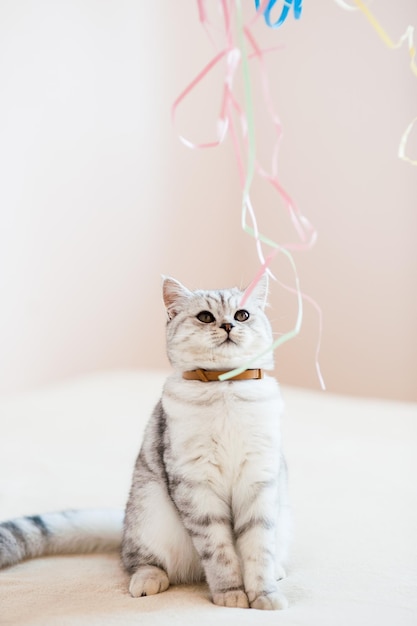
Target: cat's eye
{"points": [[206, 317], [242, 315]]}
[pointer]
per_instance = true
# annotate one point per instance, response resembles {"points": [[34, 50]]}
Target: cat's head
{"points": [[212, 330]]}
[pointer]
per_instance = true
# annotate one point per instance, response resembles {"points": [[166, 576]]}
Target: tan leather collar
{"points": [[207, 376]]}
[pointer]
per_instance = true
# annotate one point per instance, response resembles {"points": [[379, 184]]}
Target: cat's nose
{"points": [[227, 327]]}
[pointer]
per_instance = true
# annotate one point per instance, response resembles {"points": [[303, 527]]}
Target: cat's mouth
{"points": [[228, 340]]}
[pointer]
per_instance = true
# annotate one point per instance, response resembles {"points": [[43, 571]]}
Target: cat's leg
{"points": [[208, 521], [156, 548], [213, 540], [284, 524], [256, 534]]}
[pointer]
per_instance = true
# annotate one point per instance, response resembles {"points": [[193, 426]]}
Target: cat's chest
{"points": [[217, 429]]}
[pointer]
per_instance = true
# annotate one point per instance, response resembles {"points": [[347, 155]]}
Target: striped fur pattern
{"points": [[209, 497], [68, 532]]}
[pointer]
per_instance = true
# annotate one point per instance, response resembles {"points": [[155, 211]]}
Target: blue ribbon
{"points": [[297, 4]]}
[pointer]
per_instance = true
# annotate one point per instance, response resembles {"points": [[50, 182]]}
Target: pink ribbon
{"points": [[235, 56]]}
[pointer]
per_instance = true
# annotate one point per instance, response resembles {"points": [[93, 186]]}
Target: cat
{"points": [[208, 499]]}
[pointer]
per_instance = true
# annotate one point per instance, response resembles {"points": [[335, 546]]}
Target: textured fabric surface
{"points": [[353, 468]]}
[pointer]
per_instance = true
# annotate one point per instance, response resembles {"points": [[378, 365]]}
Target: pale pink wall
{"points": [[98, 197], [345, 100]]}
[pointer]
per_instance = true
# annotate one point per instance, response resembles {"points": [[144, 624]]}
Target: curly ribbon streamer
{"points": [[235, 54], [401, 148], [408, 37], [298, 6], [298, 220]]}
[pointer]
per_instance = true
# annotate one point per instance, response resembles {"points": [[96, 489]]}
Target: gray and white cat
{"points": [[209, 492]]}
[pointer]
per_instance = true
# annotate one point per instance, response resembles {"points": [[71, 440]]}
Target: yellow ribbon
{"points": [[408, 37]]}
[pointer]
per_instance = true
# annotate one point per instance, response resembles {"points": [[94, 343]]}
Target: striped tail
{"points": [[68, 532]]}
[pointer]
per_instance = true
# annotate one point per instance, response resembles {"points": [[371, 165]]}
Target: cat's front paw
{"points": [[147, 581], [236, 598], [268, 601]]}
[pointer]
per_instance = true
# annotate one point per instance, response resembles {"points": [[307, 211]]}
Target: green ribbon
{"points": [[250, 172]]}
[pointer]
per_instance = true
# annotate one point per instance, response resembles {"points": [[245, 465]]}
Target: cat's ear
{"points": [[175, 295], [259, 293]]}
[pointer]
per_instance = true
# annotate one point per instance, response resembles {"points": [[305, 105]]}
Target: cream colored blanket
{"points": [[353, 470]]}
